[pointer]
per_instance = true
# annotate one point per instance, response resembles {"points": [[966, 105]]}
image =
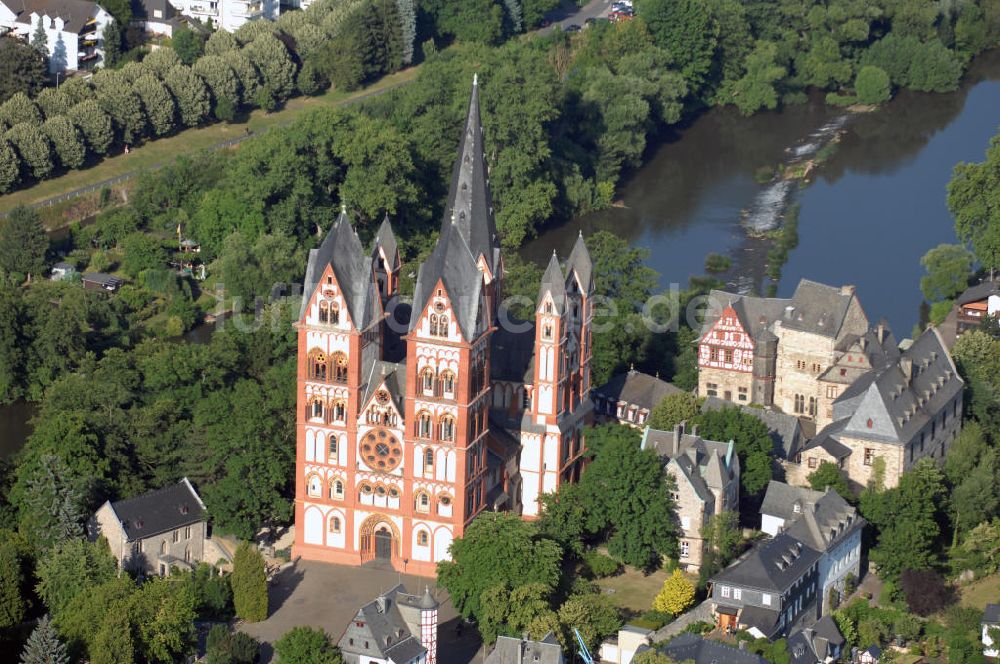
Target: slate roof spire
{"points": [[386, 239], [579, 261], [553, 281], [470, 205]]}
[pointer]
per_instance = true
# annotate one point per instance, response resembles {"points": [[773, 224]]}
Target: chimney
{"points": [[694, 430], [675, 444], [847, 289], [906, 365], [881, 332]]}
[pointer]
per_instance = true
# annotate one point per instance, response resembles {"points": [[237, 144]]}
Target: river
{"points": [[874, 208]]}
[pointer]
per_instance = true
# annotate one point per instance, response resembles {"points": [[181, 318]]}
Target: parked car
{"points": [[572, 27]]}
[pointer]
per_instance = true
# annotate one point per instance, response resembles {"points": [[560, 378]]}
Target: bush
{"points": [[305, 645], [653, 619], [715, 263], [676, 596], [872, 85], [225, 647], [925, 591], [599, 565], [249, 583]]}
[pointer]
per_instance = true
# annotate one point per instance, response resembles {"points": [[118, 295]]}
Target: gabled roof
{"points": [[580, 263], [554, 282], [511, 650], [352, 268], [817, 643], [899, 400], [392, 374], [384, 629], [756, 314], [638, 389], [992, 613], [818, 308], [470, 206], [692, 647], [386, 240], [74, 13], [780, 498], [979, 292], [773, 565], [159, 511], [513, 352], [451, 263]]}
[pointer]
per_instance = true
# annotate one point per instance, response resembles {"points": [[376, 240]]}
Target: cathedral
{"points": [[414, 418]]}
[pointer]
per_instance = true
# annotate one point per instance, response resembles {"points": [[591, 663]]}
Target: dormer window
{"points": [[547, 308]]}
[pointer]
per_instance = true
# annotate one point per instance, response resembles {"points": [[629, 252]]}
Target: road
{"points": [[569, 13]]}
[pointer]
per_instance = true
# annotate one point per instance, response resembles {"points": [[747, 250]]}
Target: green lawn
{"points": [[189, 141], [633, 590], [982, 592]]}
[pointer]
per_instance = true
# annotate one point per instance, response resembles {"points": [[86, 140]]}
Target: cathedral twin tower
{"points": [[404, 437]]}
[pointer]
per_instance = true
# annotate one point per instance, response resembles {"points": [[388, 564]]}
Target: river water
{"points": [[870, 213]]}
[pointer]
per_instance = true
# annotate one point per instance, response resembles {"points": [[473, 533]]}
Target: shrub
{"points": [[715, 263], [925, 591], [872, 85], [249, 583], [600, 565], [676, 596]]}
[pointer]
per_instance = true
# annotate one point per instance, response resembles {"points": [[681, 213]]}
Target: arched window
{"points": [[334, 314], [316, 411], [547, 331], [424, 424], [315, 486], [333, 447], [447, 428], [337, 490], [423, 502], [448, 382], [339, 367], [163, 548], [187, 554], [427, 380], [339, 411], [429, 459], [422, 538], [434, 324], [441, 330], [324, 312], [317, 365], [335, 524]]}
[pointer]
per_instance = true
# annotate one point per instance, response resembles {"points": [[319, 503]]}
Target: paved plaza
{"points": [[327, 596]]}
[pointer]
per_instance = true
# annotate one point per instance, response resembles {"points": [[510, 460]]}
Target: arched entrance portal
{"points": [[380, 539]]}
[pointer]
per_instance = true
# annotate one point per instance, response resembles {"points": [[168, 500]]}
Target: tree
{"points": [[10, 167], [752, 439], [976, 498], [115, 639], [973, 202], [163, 613], [620, 270], [142, 252], [22, 69], [33, 147], [20, 108], [39, 39], [306, 645], [651, 656], [67, 141], [676, 596], [116, 98], [310, 80], [872, 85], [71, 568], [193, 103], [11, 578], [225, 647], [468, 20], [829, 475], [221, 80], [161, 61], [674, 409], [497, 549], [925, 591], [592, 615], [249, 584], [276, 67], [158, 101], [94, 124], [507, 611], [112, 36], [23, 242], [686, 30], [246, 74], [44, 646], [628, 497], [949, 267], [221, 42], [722, 534], [756, 88], [187, 44]]}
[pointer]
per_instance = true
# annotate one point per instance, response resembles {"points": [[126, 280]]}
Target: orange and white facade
{"points": [[396, 455]]}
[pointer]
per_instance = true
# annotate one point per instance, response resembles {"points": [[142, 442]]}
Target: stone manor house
{"points": [[816, 356], [413, 419]]}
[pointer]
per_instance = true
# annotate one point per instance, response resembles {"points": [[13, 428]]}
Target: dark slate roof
{"points": [[692, 647], [979, 292], [144, 9], [825, 519], [992, 613], [382, 626], [159, 511], [510, 650], [826, 439], [756, 314], [771, 565], [785, 430], [900, 406], [393, 374], [75, 13], [780, 498], [874, 651], [705, 464], [513, 353], [818, 308], [555, 282], [638, 389], [102, 278], [766, 620], [385, 239], [470, 206], [580, 263], [352, 268]]}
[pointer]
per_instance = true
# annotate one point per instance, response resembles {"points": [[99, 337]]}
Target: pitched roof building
{"points": [[706, 477], [511, 650], [690, 647], [155, 531], [74, 29], [630, 397], [818, 644], [970, 309], [411, 420], [394, 628]]}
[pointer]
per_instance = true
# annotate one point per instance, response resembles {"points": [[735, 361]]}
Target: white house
{"points": [[824, 521], [991, 620], [159, 16], [74, 29], [622, 649]]}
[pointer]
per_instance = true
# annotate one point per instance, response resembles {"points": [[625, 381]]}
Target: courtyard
{"points": [[327, 596]]}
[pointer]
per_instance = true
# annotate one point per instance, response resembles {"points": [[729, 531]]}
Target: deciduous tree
{"points": [[686, 30], [159, 103], [674, 409], [188, 45], [973, 201], [872, 85], [10, 166], [193, 103], [272, 60], [306, 645], [829, 475], [753, 444], [33, 147], [67, 141], [95, 125], [161, 61], [11, 578], [676, 595], [22, 68], [70, 568], [20, 108], [23, 242], [756, 88]]}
